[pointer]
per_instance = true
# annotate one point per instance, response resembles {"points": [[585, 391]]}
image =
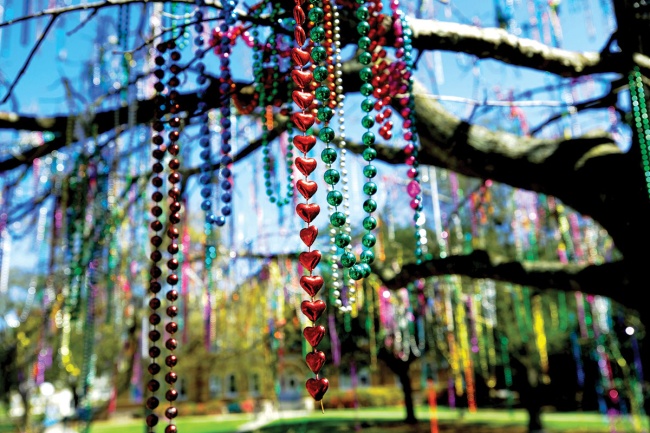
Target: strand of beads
{"points": [[383, 72], [312, 309], [414, 189], [207, 170], [225, 89], [156, 241], [641, 121], [337, 281], [173, 234], [362, 269], [268, 99]]}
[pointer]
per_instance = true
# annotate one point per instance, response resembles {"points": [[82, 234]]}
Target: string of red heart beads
{"points": [[303, 120]]}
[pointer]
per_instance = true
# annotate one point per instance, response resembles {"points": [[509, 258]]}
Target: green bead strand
{"points": [[362, 268], [641, 121]]}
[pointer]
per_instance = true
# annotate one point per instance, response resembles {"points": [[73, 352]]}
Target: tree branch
{"points": [[29, 59], [498, 44], [607, 279], [53, 12], [601, 102], [542, 165]]}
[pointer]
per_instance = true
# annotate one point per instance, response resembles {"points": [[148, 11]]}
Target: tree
{"points": [[569, 169]]}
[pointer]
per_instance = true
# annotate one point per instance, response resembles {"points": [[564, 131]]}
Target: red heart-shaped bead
{"points": [[315, 361], [311, 284], [312, 310], [298, 15], [302, 99], [308, 235], [299, 35], [299, 56], [314, 334], [304, 143], [301, 78], [317, 387], [305, 165], [303, 121], [307, 188], [307, 211], [309, 259]]}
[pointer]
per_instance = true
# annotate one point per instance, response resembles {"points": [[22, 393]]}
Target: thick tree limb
{"points": [[607, 279], [541, 165], [103, 122], [589, 173], [500, 45]]}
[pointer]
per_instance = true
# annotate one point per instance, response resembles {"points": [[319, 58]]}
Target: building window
{"points": [[254, 385], [363, 378], [292, 384], [231, 385], [215, 387]]}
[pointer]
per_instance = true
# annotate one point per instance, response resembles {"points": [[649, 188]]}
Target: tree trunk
{"points": [[532, 400], [534, 410], [24, 420], [401, 370], [407, 389]]}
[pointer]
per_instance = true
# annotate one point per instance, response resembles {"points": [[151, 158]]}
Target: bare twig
{"points": [[150, 40], [602, 102], [82, 23], [462, 203], [29, 58], [96, 6]]}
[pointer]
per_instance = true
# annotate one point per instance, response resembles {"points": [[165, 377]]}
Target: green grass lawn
{"points": [[378, 418], [557, 422], [193, 424]]}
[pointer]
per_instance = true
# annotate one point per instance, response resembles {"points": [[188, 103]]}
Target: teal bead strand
{"points": [[361, 269], [641, 121]]}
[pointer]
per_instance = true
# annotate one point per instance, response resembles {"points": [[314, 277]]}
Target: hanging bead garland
{"points": [[362, 269], [207, 170], [226, 85], [641, 121], [207, 174], [313, 309], [267, 81], [156, 241], [323, 75], [338, 283], [385, 75], [225, 88], [411, 149], [173, 234]]}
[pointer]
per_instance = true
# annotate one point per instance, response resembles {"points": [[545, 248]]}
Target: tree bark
{"points": [[530, 393], [24, 420], [401, 370], [534, 416], [407, 389]]}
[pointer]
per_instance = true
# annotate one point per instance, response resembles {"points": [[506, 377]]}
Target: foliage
{"points": [[374, 396]]}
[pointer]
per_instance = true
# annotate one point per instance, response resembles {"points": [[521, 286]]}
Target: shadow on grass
{"points": [[346, 425]]}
